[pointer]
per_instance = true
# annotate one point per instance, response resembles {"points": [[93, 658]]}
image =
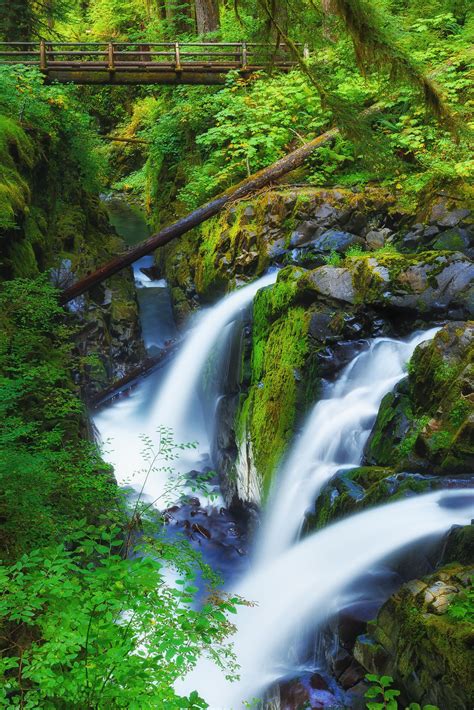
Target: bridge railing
{"points": [[123, 55]]}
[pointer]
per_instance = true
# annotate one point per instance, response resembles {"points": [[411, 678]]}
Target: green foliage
{"points": [[461, 607], [57, 115], [384, 697], [333, 259], [48, 475], [381, 686], [100, 630]]}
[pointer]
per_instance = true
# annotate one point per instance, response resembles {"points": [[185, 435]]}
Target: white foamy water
{"points": [[301, 586], [168, 397], [333, 438], [174, 398]]}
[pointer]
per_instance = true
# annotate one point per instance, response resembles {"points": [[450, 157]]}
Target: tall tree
{"points": [[207, 16], [16, 20]]}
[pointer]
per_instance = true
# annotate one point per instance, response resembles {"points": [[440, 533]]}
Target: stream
{"points": [[296, 582]]}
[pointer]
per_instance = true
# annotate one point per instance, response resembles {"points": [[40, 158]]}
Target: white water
{"points": [[169, 398], [172, 406], [333, 438], [301, 586], [297, 585]]}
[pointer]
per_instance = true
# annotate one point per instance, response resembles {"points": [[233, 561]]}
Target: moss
{"points": [[429, 655], [280, 350], [353, 491], [17, 156], [431, 418], [22, 259]]}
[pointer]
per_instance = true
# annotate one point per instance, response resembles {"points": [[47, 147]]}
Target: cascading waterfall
{"points": [[172, 406], [172, 401], [333, 438], [292, 583], [302, 585]]}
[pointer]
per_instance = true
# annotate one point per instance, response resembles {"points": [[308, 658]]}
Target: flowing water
{"points": [[302, 585], [333, 438], [293, 583]]}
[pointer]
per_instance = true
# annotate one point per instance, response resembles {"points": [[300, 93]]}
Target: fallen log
{"points": [[248, 186], [125, 383], [125, 140]]}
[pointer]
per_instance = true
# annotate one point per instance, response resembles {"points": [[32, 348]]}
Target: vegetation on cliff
{"points": [[374, 239]]}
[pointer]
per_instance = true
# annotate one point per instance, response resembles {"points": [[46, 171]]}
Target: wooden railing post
{"points": [[306, 52], [244, 55], [43, 58], [177, 58], [110, 49]]}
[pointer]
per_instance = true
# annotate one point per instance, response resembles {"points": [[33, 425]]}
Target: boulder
{"points": [[427, 423], [334, 240], [415, 640]]}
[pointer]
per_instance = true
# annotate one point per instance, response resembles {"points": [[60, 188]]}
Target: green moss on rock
{"points": [[429, 419], [270, 410], [429, 654]]}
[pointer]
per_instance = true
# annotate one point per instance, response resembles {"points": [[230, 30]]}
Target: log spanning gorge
{"points": [[298, 578]]}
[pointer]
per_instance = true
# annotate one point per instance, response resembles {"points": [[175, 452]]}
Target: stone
{"points": [[304, 233], [451, 219], [452, 240], [429, 655], [335, 282], [334, 240], [352, 675], [376, 238]]}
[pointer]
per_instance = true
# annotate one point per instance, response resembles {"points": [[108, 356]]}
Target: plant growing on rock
{"points": [[388, 700]]}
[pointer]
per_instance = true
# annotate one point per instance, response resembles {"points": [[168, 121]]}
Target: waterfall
{"points": [[168, 397], [172, 406], [333, 438], [301, 586]]}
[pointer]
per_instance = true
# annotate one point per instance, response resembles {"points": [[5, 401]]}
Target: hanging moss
{"points": [[16, 155]]}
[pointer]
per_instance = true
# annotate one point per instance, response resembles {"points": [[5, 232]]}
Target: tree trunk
{"points": [[185, 224], [207, 16]]}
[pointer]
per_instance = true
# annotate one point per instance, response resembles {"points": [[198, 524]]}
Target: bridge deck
{"points": [[151, 63]]}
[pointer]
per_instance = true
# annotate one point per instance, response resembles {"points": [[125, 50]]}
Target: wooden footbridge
{"points": [[150, 63]]}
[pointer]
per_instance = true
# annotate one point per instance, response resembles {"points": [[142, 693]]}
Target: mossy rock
{"points": [[361, 488], [429, 654], [268, 415], [428, 421]]}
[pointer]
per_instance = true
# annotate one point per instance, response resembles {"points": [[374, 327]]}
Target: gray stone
{"points": [[451, 219], [304, 233], [334, 282], [334, 240], [376, 238]]}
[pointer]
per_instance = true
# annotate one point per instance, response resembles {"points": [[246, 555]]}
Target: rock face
{"points": [[353, 268], [416, 641], [304, 227], [428, 422]]}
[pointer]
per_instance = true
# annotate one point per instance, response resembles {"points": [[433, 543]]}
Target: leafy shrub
{"points": [[386, 696], [101, 630]]}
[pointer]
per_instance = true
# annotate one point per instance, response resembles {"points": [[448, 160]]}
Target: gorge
{"points": [[236, 355]]}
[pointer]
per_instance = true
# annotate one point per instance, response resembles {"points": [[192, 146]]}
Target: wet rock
{"points": [[427, 423], [451, 219], [304, 234], [353, 674], [452, 240], [334, 240], [318, 682], [437, 668], [334, 282], [201, 530]]}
